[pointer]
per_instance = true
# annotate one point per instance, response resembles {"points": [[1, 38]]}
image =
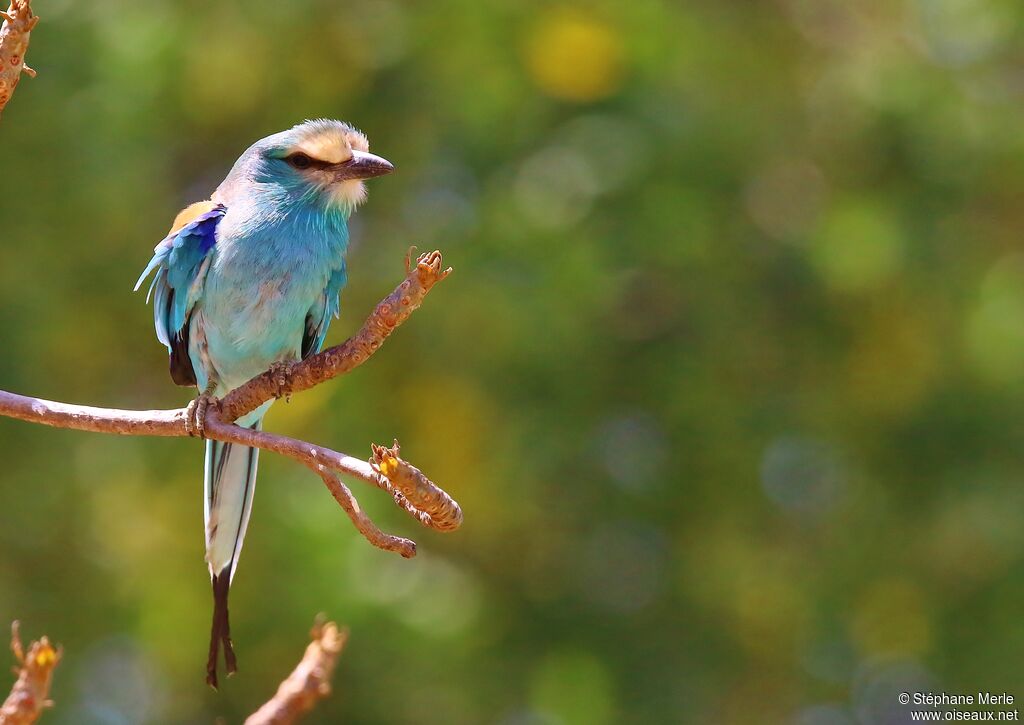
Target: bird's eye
{"points": [[299, 160]]}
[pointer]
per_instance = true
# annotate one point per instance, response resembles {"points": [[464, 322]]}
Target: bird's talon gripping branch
{"points": [[195, 414], [190, 418], [214, 419]]}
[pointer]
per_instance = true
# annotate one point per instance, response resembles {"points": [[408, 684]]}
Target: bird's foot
{"points": [[280, 371], [195, 414]]}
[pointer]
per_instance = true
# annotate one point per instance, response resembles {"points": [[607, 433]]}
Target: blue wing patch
{"points": [[318, 319], [179, 262]]}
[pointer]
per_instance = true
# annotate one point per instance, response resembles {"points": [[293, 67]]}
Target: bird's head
{"points": [[321, 161]]}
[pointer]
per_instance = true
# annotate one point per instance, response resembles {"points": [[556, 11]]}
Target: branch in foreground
{"points": [[31, 692], [14, 34], [309, 682], [412, 490]]}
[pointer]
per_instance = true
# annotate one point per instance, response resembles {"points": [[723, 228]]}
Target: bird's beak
{"points": [[362, 166]]}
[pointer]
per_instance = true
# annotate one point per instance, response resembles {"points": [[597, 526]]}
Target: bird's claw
{"points": [[195, 415]]}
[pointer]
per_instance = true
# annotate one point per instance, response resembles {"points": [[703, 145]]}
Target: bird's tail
{"points": [[229, 485]]}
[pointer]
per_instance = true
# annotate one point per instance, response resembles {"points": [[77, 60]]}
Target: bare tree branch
{"points": [[30, 694], [391, 312], [14, 34], [309, 681], [416, 493], [362, 522], [296, 696], [412, 490]]}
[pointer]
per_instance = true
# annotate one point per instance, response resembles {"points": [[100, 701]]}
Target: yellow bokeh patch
{"points": [[891, 618], [575, 57]]}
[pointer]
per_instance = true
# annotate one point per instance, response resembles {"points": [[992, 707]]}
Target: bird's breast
{"points": [[256, 299]]}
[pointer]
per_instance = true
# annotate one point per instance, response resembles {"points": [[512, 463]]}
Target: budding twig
{"points": [[418, 491], [309, 681], [18, 22], [30, 694]]}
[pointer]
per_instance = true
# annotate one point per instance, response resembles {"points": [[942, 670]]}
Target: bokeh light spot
{"points": [[958, 32], [757, 588], [575, 57], [622, 567], [803, 476], [895, 360], [634, 449], [891, 618], [429, 594], [555, 188], [858, 247], [824, 715], [784, 199], [877, 688], [574, 688], [995, 331]]}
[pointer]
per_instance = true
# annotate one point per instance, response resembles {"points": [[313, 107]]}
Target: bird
{"points": [[247, 280]]}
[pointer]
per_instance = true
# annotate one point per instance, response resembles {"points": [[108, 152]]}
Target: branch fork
{"points": [[410, 488]]}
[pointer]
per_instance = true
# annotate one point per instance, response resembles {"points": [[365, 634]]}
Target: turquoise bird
{"points": [[249, 280]]}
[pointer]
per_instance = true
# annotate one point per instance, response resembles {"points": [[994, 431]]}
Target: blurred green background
{"points": [[729, 380]]}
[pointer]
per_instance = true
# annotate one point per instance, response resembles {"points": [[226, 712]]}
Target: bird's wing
{"points": [[180, 262], [318, 319]]}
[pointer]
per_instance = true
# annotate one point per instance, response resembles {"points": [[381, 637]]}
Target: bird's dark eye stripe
{"points": [[304, 161]]}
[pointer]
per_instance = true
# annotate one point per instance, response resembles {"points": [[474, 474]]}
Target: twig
{"points": [[416, 493], [366, 527], [14, 35], [390, 312], [31, 692], [309, 681], [412, 490]]}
